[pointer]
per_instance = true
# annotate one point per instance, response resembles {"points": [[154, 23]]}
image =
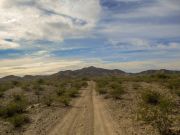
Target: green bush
{"points": [[73, 92], [114, 85], [136, 86], [18, 97], [151, 97], [40, 81], [84, 84], [19, 120], [48, 100], [174, 86], [117, 92], [156, 118], [16, 83], [155, 109], [102, 90], [65, 100], [156, 99], [1, 94], [60, 92], [5, 86], [2, 111], [162, 76], [15, 108], [26, 87]]}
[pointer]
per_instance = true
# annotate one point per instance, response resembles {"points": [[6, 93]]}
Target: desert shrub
{"points": [[1, 94], [151, 97], [17, 105], [162, 76], [136, 86], [102, 83], [2, 111], [114, 85], [102, 90], [38, 87], [155, 109], [85, 79], [117, 92], [84, 84], [60, 91], [26, 87], [154, 98], [73, 92], [157, 119], [38, 91], [14, 108], [174, 86], [48, 100], [15, 83], [40, 81], [19, 120], [5, 86], [65, 100], [18, 97], [76, 84], [177, 92]]}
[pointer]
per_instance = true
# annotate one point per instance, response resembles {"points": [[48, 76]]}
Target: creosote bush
{"points": [[48, 100], [111, 86], [19, 120], [174, 86], [102, 90], [1, 94], [65, 100], [117, 92], [151, 97], [73, 92], [155, 109], [60, 91]]}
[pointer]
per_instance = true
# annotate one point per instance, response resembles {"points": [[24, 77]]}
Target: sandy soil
{"points": [[87, 117]]}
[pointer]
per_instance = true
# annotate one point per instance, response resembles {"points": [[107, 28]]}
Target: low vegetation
{"points": [[156, 109], [18, 120], [110, 86], [43, 91]]}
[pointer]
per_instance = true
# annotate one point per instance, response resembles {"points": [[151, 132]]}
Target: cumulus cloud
{"points": [[47, 19], [5, 44]]}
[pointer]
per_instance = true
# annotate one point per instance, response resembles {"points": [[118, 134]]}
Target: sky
{"points": [[46, 36]]}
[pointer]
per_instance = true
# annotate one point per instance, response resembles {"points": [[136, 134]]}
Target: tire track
{"points": [[88, 116]]}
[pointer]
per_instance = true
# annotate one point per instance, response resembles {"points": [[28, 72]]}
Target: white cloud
{"points": [[8, 45], [46, 65], [34, 66], [143, 44], [47, 19], [120, 31]]}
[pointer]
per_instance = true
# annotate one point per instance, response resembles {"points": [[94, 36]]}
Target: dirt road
{"points": [[87, 117]]}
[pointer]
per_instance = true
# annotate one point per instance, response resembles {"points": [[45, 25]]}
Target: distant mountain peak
{"points": [[90, 71]]}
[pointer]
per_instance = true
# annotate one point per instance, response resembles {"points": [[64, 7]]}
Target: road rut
{"points": [[88, 116]]}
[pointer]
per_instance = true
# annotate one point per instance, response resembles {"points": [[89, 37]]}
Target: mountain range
{"points": [[91, 72]]}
